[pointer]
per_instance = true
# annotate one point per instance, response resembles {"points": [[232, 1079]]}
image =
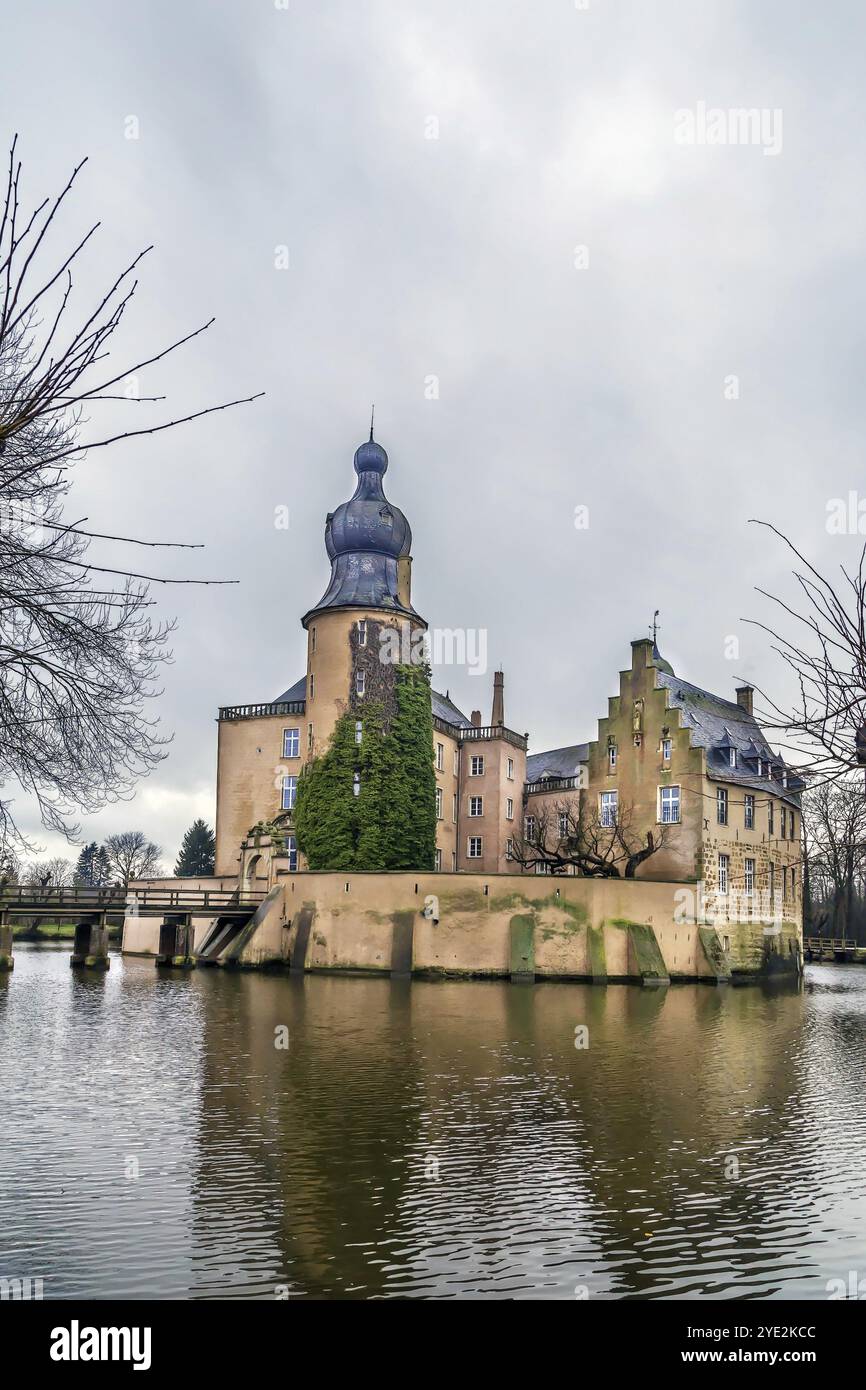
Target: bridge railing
{"points": [[829, 943], [26, 897]]}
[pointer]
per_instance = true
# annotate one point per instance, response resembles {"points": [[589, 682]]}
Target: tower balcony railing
{"points": [[481, 732], [262, 711]]}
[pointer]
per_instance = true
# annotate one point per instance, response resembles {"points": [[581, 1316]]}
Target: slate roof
{"points": [[298, 691], [445, 709], [719, 725], [558, 762]]}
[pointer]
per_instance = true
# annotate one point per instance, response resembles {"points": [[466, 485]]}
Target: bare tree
{"points": [[48, 873], [571, 836], [79, 653], [834, 822], [826, 652], [131, 855]]}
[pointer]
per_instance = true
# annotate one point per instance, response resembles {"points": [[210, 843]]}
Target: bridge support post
{"points": [[6, 960], [90, 947], [175, 942]]}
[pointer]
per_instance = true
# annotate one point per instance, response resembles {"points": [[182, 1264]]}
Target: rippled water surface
{"points": [[430, 1139]]}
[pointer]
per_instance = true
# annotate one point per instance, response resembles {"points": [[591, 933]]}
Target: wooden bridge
{"points": [[91, 908], [829, 948]]}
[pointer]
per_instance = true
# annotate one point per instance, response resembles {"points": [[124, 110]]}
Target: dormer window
{"points": [[386, 516], [732, 756], [760, 768]]}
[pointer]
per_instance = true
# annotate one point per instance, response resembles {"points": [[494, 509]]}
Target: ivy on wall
{"points": [[391, 822]]}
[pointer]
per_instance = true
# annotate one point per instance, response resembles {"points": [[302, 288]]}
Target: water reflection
{"points": [[429, 1139]]}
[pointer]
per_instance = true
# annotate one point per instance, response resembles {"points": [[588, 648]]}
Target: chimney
{"points": [[497, 717], [744, 697], [475, 718]]}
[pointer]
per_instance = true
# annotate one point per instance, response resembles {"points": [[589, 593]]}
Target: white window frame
{"points": [[749, 811], [438, 803], [360, 683], [437, 861], [748, 877], [454, 808], [291, 845], [362, 632], [359, 730], [509, 808], [456, 762], [721, 805], [476, 765], [473, 802], [611, 757], [562, 817], [509, 769], [724, 873], [608, 802], [529, 828], [474, 840], [669, 802], [356, 784], [288, 792], [288, 741], [667, 747], [440, 757]]}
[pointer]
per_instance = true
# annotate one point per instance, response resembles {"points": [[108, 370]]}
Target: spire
{"points": [[372, 414]]}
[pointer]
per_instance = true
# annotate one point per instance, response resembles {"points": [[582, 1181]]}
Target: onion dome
{"points": [[365, 537]]}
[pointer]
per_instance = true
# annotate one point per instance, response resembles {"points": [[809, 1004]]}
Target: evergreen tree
{"points": [[102, 869], [85, 870], [196, 858]]}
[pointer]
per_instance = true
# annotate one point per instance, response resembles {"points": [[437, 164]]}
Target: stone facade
{"points": [[676, 763]]}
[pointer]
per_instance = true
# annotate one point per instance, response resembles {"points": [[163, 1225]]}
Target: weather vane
{"points": [[655, 626]]}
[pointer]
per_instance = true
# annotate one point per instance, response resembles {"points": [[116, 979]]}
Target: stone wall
{"points": [[502, 925]]}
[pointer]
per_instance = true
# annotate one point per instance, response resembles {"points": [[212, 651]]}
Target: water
{"points": [[439, 1140]]}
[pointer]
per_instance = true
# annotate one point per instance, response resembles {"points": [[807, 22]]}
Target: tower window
{"points": [[310, 737], [289, 792], [312, 639], [362, 632], [312, 685], [749, 876], [360, 682], [356, 784], [359, 730]]}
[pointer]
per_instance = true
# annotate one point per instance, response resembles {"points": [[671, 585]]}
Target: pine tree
{"points": [[102, 868], [85, 870], [196, 858]]}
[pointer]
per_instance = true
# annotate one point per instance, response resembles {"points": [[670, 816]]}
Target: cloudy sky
{"points": [[496, 196]]}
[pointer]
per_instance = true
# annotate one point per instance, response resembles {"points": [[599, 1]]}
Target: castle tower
{"points": [[368, 541]]}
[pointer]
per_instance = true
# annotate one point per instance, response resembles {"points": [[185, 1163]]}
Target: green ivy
{"points": [[391, 824]]}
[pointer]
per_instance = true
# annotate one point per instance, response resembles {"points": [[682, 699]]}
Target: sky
{"points": [[600, 334]]}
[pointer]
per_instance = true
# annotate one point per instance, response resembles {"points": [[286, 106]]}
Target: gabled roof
{"points": [[557, 762], [718, 726]]}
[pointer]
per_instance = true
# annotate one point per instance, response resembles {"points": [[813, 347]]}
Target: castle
{"points": [[678, 784]]}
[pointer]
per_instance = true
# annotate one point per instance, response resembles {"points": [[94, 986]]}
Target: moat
{"points": [[235, 1135]]}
